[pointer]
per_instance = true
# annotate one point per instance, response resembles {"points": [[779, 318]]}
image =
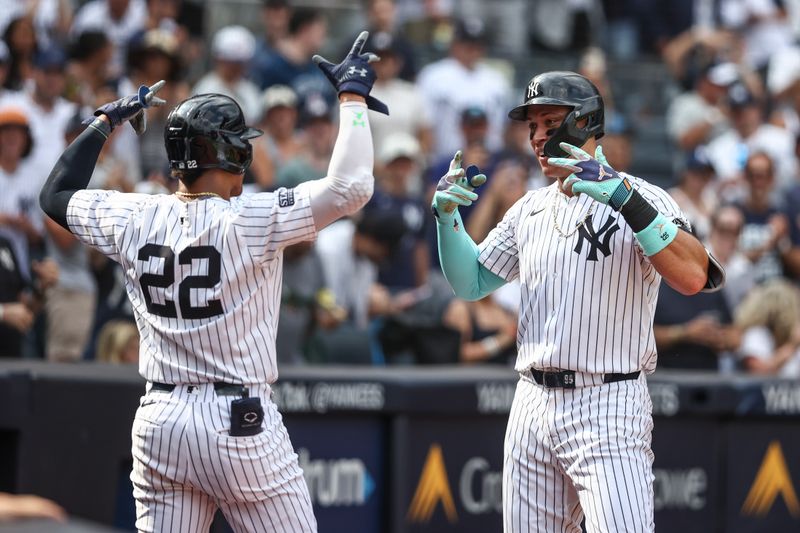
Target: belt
{"points": [[220, 387], [567, 379]]}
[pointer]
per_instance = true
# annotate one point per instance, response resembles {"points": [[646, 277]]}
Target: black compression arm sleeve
{"points": [[73, 171]]}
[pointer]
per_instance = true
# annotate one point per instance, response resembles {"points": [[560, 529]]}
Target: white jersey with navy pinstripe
{"points": [[587, 300], [204, 276]]}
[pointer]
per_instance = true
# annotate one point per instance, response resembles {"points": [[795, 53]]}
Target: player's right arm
{"points": [[458, 253]]}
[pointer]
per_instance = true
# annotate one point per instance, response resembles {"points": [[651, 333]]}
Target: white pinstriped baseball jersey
{"points": [[587, 300], [204, 276]]}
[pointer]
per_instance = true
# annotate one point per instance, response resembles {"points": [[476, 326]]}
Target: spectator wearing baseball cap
{"points": [[399, 94], [696, 116], [750, 133], [21, 220], [694, 193], [47, 111], [232, 49], [462, 79], [319, 135], [401, 188], [282, 141]]}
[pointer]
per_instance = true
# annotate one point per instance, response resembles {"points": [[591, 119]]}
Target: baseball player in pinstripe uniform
{"points": [[203, 271], [590, 251]]}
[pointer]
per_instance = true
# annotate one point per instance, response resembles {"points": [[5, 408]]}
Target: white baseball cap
{"points": [[399, 145], [278, 95], [234, 43]]}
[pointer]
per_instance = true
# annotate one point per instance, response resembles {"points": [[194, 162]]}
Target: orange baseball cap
{"points": [[13, 116]]}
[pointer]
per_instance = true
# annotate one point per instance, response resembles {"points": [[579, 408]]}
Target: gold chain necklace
{"points": [[193, 195], [555, 218]]}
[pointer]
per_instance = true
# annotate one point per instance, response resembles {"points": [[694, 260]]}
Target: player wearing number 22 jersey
{"points": [[203, 271]]}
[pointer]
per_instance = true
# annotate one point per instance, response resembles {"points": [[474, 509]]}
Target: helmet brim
{"points": [[251, 133], [521, 111]]}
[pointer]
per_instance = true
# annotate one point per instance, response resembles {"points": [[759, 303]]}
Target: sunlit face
{"points": [[543, 120]]}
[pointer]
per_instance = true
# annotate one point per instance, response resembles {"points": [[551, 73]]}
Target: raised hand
{"points": [[456, 188], [130, 107], [354, 74], [593, 176]]}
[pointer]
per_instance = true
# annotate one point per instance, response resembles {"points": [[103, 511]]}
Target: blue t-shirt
{"points": [[399, 271]]}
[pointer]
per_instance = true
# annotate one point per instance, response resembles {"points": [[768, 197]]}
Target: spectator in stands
{"points": [[16, 317], [566, 26], [118, 343], [232, 49], [281, 141], [89, 69], [275, 16], [352, 252], [459, 81], [694, 331], [47, 112], [399, 184], [291, 63], [153, 56], [693, 194], [727, 223], [412, 117], [763, 25], [5, 63], [765, 236], [52, 19], [433, 30], [508, 184], [696, 117], [750, 134], [119, 19], [382, 19], [689, 54], [20, 37], [488, 332], [319, 134], [791, 259], [21, 220], [70, 304], [770, 320], [28, 506], [307, 305]]}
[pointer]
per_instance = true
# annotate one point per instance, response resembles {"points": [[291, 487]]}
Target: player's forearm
{"points": [[458, 255], [72, 171], [676, 255], [683, 264], [349, 183]]}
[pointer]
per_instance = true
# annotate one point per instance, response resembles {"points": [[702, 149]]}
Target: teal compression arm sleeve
{"points": [[458, 255]]}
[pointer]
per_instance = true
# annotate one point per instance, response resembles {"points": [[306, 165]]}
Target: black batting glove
{"points": [[130, 107], [354, 74]]}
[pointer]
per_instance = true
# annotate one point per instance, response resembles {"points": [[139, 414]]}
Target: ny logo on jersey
{"points": [[361, 71], [600, 240], [533, 90]]}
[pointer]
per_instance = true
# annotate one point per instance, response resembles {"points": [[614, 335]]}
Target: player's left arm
{"points": [[675, 253], [349, 182]]}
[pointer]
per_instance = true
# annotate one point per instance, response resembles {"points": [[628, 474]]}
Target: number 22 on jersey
{"points": [[196, 281]]}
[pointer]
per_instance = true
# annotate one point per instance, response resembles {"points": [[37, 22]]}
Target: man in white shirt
{"points": [[460, 80]]}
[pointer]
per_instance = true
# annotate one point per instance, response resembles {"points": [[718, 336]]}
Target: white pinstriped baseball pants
{"points": [[571, 453], [185, 466]]}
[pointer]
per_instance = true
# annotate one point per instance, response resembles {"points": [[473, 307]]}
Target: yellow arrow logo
{"points": [[772, 479], [432, 488]]}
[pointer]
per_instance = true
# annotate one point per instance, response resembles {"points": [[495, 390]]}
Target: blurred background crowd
{"points": [[702, 98]]}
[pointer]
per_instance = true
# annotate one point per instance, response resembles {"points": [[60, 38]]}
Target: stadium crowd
{"points": [[370, 290]]}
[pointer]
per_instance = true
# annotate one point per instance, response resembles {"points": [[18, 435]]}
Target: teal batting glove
{"points": [[594, 176], [455, 189]]}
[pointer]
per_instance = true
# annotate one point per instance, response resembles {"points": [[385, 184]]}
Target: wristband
{"points": [[102, 126], [638, 212], [657, 235], [491, 345]]}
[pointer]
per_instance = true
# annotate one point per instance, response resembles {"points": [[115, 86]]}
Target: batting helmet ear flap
{"points": [[569, 132]]}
